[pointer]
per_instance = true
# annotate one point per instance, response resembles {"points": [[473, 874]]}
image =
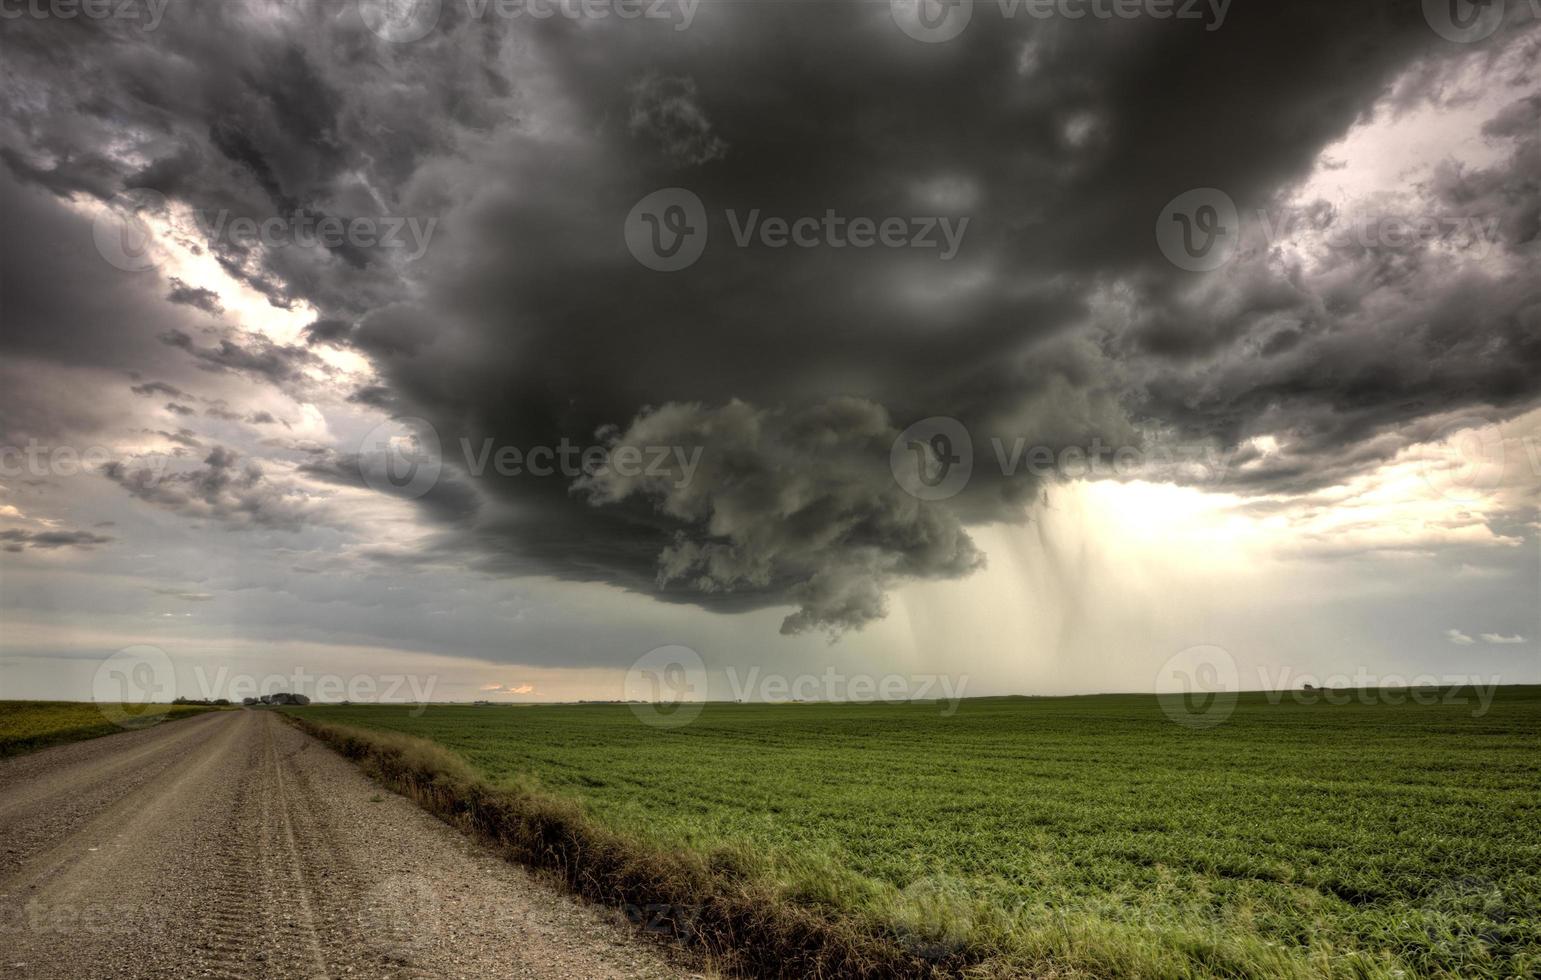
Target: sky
{"points": [[506, 350]]}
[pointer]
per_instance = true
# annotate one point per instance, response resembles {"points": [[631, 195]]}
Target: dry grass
{"points": [[718, 904]]}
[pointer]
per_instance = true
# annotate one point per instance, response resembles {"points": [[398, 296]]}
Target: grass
{"points": [[1057, 836], [29, 725]]}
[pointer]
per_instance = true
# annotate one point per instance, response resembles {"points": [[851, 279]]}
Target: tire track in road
{"points": [[301, 952], [232, 926]]}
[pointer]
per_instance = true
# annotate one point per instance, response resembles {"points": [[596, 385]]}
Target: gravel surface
{"points": [[233, 845]]}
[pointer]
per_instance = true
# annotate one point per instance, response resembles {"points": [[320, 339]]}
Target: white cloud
{"points": [[1459, 638], [1500, 638]]}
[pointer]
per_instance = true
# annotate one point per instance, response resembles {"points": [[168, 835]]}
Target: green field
{"points": [[29, 725], [1082, 836]]}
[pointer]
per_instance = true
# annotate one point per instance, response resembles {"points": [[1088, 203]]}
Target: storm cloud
{"points": [[792, 368]]}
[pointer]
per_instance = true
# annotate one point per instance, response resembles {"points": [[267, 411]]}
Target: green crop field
{"points": [[1083, 836], [29, 725]]}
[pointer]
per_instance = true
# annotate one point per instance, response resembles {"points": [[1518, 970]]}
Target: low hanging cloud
{"points": [[801, 504], [1460, 638], [507, 688], [186, 596]]}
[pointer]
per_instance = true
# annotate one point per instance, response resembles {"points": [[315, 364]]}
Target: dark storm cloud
{"points": [[327, 332], [801, 505], [667, 111], [375, 396], [206, 300], [182, 437], [1057, 322], [17, 540], [252, 354]]}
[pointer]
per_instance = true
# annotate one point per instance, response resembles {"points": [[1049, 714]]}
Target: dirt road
{"points": [[232, 845]]}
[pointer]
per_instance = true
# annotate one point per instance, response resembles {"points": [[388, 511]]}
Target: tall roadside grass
{"points": [[805, 916], [720, 903]]}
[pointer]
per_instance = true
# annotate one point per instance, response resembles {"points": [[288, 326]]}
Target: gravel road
{"points": [[232, 845]]}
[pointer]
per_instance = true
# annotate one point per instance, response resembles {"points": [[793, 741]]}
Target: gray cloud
{"points": [[206, 300], [223, 490], [801, 505], [528, 323], [15, 540], [185, 596], [667, 110]]}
